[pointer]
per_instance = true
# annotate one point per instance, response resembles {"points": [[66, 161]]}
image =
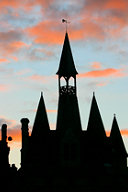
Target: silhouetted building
{"points": [[69, 158]]}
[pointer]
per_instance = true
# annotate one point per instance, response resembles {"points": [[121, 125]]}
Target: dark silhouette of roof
{"points": [[66, 66], [95, 126], [41, 123], [116, 138]]}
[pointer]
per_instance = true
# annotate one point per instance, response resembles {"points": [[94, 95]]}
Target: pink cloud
{"points": [[51, 110], [101, 84], [96, 65], [4, 88], [104, 73], [26, 4], [14, 58], [98, 20], [3, 60], [37, 77], [44, 33], [19, 44]]}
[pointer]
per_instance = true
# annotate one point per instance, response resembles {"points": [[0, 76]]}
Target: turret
{"points": [[41, 124], [4, 149], [68, 110], [119, 153], [4, 133], [67, 69], [95, 128], [25, 139], [68, 125]]}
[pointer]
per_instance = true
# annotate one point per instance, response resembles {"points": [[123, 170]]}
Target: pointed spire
{"points": [[116, 138], [41, 124], [66, 66], [95, 126]]}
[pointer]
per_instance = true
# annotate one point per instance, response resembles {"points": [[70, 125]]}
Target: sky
{"points": [[31, 40]]}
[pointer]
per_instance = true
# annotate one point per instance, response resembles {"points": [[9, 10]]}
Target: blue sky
{"points": [[31, 39]]}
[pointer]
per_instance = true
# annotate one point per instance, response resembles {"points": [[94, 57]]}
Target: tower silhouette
{"points": [[69, 158]]}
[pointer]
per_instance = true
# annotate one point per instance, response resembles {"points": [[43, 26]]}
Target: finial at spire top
{"points": [[93, 93], [65, 21], [114, 115], [41, 93]]}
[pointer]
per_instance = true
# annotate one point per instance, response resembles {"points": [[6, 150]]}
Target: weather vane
{"points": [[65, 21]]}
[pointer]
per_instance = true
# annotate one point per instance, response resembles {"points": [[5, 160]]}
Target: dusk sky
{"points": [[31, 40]]}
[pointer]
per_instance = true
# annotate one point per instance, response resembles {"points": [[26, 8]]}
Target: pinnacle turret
{"points": [[116, 138], [95, 126], [41, 124]]}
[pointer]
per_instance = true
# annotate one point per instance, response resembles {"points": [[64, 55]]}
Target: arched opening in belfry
{"points": [[71, 81], [62, 81]]}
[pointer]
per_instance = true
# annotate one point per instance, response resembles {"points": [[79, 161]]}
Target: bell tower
{"points": [[68, 118], [67, 70]]}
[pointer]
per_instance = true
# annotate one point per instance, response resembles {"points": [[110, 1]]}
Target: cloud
{"points": [[4, 120], [40, 78], [11, 42], [96, 65], [124, 132], [37, 54], [4, 88], [110, 72], [37, 77], [13, 129], [11, 36], [3, 60], [28, 4], [51, 110], [46, 33], [95, 19], [19, 44]]}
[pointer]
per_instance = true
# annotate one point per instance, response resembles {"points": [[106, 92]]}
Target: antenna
{"points": [[66, 22]]}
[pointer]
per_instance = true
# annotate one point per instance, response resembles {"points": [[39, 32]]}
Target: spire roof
{"points": [[41, 124], [116, 138], [66, 66], [95, 126]]}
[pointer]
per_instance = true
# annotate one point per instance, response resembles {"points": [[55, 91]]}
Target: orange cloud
{"points": [[124, 132], [44, 32], [19, 44], [26, 4], [12, 3], [51, 110], [119, 4], [106, 4], [14, 58], [3, 60], [103, 73], [12, 47], [96, 65]]}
